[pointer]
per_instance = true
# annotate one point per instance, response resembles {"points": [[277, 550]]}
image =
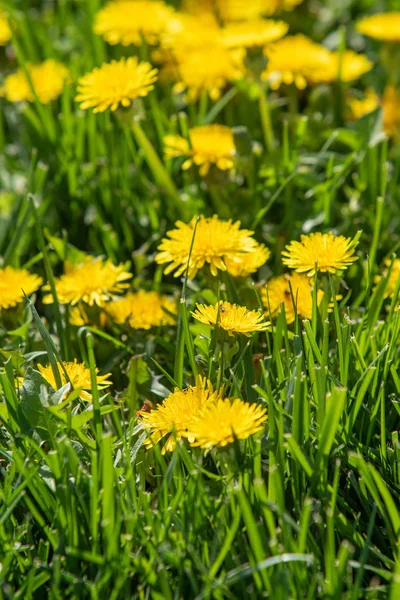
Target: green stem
{"points": [[156, 166], [265, 115]]}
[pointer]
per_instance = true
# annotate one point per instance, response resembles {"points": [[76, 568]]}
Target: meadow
{"points": [[199, 299]]}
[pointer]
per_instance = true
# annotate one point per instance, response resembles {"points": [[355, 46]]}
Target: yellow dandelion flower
{"points": [[323, 252], [185, 33], [393, 277], [249, 263], [48, 79], [348, 65], [358, 107], [115, 83], [279, 290], [214, 241], [253, 34], [5, 31], [94, 281], [174, 415], [13, 284], [208, 69], [391, 110], [142, 310], [231, 318], [219, 423], [294, 60], [79, 376], [128, 21], [242, 10], [209, 145], [382, 26]]}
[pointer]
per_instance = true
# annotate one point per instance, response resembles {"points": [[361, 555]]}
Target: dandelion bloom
{"points": [[115, 83], [294, 60], [142, 310], [322, 252], [79, 376], [249, 263], [209, 145], [174, 415], [242, 10], [5, 31], [393, 277], [348, 65], [219, 423], [253, 34], [359, 107], [382, 26], [214, 242], [283, 289], [94, 281], [186, 32], [208, 69], [231, 318], [13, 284], [48, 79], [129, 21]]}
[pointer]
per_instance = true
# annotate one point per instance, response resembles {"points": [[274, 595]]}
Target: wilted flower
{"points": [[174, 415], [78, 375], [209, 145], [94, 281], [142, 310], [13, 284], [322, 252], [48, 79], [115, 84], [286, 288], [382, 26], [214, 242], [220, 423], [129, 21], [231, 318]]}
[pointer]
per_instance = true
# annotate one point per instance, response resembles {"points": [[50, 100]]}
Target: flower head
{"points": [[47, 78], [175, 414], [347, 65], [219, 423], [294, 60], [94, 281], [242, 10], [142, 310], [382, 26], [359, 107], [390, 104], [283, 289], [231, 318], [127, 21], [5, 31], [393, 277], [115, 83], [214, 242], [209, 145], [322, 252], [208, 69], [13, 284], [79, 376], [249, 262], [253, 34]]}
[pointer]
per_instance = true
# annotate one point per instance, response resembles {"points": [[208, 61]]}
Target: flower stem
{"points": [[265, 115], [156, 166]]}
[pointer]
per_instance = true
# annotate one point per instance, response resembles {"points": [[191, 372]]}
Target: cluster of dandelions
{"points": [[203, 416]]}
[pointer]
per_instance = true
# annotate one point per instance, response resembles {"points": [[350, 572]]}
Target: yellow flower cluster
{"points": [[14, 283], [5, 31], [382, 26], [203, 416], [300, 61], [390, 104], [45, 80], [231, 318], [78, 375]]}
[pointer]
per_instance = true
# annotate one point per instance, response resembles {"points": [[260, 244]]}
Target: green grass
{"points": [[309, 508]]}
